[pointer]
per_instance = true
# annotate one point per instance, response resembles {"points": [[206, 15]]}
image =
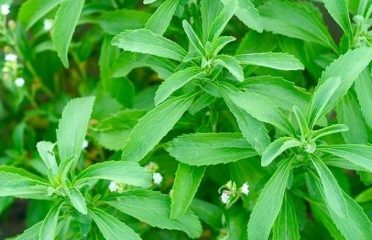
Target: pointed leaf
{"points": [[144, 41], [286, 224], [49, 226], [269, 201], [162, 17], [210, 148], [175, 82], [340, 13], [278, 147], [46, 153], [122, 172], [222, 19], [143, 137], [281, 61], [78, 201], [232, 65], [363, 89], [65, 23], [193, 38], [332, 129], [186, 183], [111, 227]]}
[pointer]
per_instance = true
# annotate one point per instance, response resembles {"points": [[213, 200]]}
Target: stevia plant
{"points": [[201, 119]]}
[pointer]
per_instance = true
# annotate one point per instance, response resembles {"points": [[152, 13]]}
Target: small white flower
{"points": [[10, 57], [157, 178], [4, 9], [245, 189], [48, 24], [225, 197], [19, 82], [113, 187], [85, 144]]}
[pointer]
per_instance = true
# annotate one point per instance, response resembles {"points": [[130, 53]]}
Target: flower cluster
{"points": [[230, 193], [153, 168]]}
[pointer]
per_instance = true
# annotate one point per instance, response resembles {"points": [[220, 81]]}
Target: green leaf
{"points": [[193, 38], [65, 23], [22, 184], [281, 61], [348, 67], [322, 96], [154, 208], [364, 196], [333, 196], [219, 43], [73, 126], [232, 65], [253, 130], [122, 172], [278, 147], [186, 183], [31, 233], [143, 138], [209, 11], [49, 226], [248, 14], [207, 212], [359, 155], [201, 149], [175, 82], [253, 104], [162, 17], [332, 129], [114, 22], [349, 113], [144, 41], [78, 201], [148, 1], [301, 121], [46, 153], [33, 10], [111, 227], [363, 89], [302, 21], [222, 19], [269, 203], [340, 13], [286, 224]]}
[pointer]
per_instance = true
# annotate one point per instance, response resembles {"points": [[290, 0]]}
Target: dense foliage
{"points": [[186, 119]]}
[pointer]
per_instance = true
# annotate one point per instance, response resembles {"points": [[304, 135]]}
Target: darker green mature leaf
{"points": [[286, 224], [210, 148], [153, 208], [333, 196], [207, 212], [253, 130], [222, 19], [144, 136], [193, 38], [284, 93], [321, 98], [22, 184], [114, 22], [349, 113], [269, 203], [248, 14], [64, 26], [262, 109], [73, 126], [360, 155], [78, 201], [144, 41], [278, 147], [33, 10], [175, 82], [296, 20], [111, 227], [340, 13], [122, 172], [348, 67], [281, 61], [363, 89], [186, 183], [49, 226], [232, 65], [162, 17]]}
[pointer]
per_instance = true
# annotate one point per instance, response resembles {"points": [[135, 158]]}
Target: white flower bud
{"points": [[157, 178], [19, 82], [113, 187], [244, 189], [225, 197], [48, 24], [85, 144], [4, 9], [10, 57]]}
